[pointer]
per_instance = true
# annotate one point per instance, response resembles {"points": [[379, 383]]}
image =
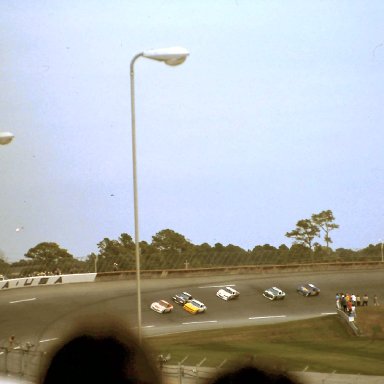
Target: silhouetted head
{"points": [[100, 354], [252, 375]]}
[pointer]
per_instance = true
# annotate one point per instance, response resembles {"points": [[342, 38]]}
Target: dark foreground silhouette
{"points": [[250, 374], [110, 354], [100, 354]]}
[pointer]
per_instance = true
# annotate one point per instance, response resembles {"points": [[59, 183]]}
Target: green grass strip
{"points": [[323, 344]]}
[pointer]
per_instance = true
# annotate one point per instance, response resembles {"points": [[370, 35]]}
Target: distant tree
{"points": [[299, 252], [219, 247], [108, 247], [283, 253], [325, 221], [283, 248], [50, 256], [46, 252], [304, 233], [216, 253], [148, 258], [323, 253], [171, 248], [3, 262], [231, 255], [126, 241], [4, 265], [370, 253], [265, 254], [345, 254], [203, 256], [91, 262], [167, 239], [119, 253]]}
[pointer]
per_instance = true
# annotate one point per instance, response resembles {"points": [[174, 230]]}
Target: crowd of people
{"points": [[348, 302]]}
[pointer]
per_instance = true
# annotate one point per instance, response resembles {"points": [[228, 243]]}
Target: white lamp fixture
{"points": [[170, 56], [6, 137]]}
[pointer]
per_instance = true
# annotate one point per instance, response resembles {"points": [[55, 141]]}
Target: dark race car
{"points": [[308, 289], [182, 298]]}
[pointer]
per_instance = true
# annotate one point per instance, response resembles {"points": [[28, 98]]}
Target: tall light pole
{"points": [[6, 137], [382, 253], [171, 56]]}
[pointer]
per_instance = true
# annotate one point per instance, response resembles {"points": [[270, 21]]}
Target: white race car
{"points": [[274, 293], [161, 306], [227, 293]]}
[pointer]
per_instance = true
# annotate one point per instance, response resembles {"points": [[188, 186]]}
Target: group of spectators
{"points": [[348, 302], [55, 272]]}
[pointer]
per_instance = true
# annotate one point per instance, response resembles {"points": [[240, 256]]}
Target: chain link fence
{"points": [[170, 250], [21, 362]]}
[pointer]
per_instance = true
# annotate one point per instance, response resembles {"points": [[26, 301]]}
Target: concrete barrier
{"points": [[350, 321], [47, 280], [191, 272]]}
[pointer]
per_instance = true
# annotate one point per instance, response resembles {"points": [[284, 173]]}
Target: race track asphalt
{"points": [[41, 315]]}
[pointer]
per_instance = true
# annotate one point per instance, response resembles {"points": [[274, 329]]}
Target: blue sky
{"points": [[276, 114]]}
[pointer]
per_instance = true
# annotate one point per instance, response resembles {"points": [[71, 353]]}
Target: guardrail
{"points": [[192, 272], [350, 320], [21, 362], [262, 269], [174, 374]]}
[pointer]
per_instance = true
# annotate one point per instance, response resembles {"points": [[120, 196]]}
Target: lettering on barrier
{"points": [[46, 280], [6, 285]]}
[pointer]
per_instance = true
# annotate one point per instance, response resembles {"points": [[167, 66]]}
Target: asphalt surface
{"points": [[40, 315]]}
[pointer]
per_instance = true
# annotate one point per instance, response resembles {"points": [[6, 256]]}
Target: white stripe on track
{"points": [[200, 322], [47, 340], [218, 286], [266, 317], [21, 301]]}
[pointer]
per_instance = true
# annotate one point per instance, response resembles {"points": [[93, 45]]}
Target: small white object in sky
{"points": [[18, 229]]}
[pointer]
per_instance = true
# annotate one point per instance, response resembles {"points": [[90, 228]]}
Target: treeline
{"points": [[171, 250]]}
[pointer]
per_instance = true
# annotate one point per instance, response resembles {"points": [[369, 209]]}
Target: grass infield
{"points": [[324, 344]]}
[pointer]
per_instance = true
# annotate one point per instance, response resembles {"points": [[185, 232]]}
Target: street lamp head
{"points": [[6, 137], [171, 56]]}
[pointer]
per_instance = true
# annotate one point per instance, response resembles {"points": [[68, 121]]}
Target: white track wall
{"points": [[47, 280]]}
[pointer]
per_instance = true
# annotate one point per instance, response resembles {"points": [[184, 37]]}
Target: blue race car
{"points": [[308, 289]]}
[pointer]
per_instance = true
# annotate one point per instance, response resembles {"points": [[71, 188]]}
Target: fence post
{"points": [[6, 361], [181, 369], [181, 373]]}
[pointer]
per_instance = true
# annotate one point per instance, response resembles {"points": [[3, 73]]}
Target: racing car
{"points": [[194, 306], [161, 306], [274, 293], [308, 289], [227, 293], [182, 298]]}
